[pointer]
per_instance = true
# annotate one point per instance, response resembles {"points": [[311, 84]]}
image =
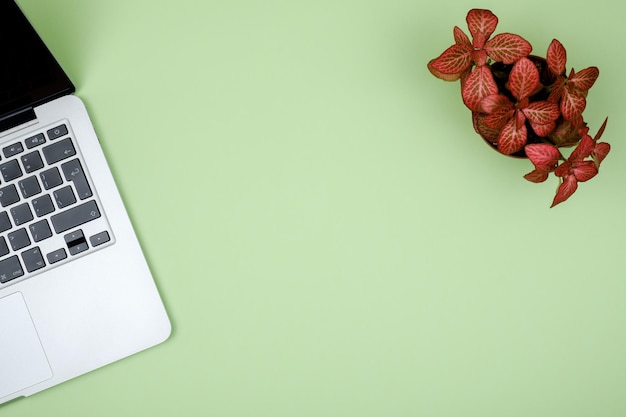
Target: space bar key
{"points": [[75, 216]]}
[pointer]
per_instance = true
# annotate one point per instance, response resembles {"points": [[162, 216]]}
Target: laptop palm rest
{"points": [[23, 362]]}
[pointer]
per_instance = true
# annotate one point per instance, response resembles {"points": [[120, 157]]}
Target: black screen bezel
{"points": [[38, 78]]}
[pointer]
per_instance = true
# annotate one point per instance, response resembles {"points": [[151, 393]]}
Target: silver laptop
{"points": [[75, 290]]}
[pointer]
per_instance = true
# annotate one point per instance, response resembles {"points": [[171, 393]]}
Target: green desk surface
{"points": [[330, 237]]}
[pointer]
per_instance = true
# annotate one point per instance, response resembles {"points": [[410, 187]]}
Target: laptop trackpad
{"points": [[23, 362]]}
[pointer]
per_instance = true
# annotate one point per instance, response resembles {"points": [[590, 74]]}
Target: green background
{"points": [[329, 235]]}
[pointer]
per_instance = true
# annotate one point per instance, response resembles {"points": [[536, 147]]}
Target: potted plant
{"points": [[524, 105]]}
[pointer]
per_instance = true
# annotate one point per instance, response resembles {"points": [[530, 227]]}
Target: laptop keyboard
{"points": [[49, 213]]}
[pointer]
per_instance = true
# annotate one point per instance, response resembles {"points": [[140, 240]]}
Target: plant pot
{"points": [[501, 73]]}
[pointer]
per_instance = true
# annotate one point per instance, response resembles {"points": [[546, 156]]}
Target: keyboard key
{"points": [[29, 187], [10, 268], [32, 162], [33, 260], [12, 150], [5, 222], [19, 239], [8, 195], [99, 239], [42, 205], [40, 230], [74, 172], [76, 242], [4, 249], [36, 140], [57, 132], [10, 170], [21, 214], [56, 256], [64, 197], [51, 178], [59, 151], [75, 216]]}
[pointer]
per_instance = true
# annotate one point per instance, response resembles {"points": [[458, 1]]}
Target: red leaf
{"points": [[584, 171], [567, 133], [482, 129], [584, 80], [511, 138], [556, 57], [481, 24], [601, 130], [565, 190], [453, 60], [441, 75], [583, 150], [572, 105], [563, 169], [543, 130], [538, 175], [508, 48], [460, 38], [479, 85], [494, 102], [500, 117], [523, 78], [520, 119], [556, 91], [542, 112], [542, 155], [600, 152]]}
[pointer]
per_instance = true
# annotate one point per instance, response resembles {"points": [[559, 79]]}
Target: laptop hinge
{"points": [[16, 119]]}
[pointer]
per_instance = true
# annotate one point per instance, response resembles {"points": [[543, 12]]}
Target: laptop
{"points": [[76, 292]]}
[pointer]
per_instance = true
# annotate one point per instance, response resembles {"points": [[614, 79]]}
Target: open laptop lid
{"points": [[29, 74]]}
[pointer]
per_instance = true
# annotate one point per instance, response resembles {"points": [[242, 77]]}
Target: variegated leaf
{"points": [[543, 130], [584, 79], [494, 102], [565, 190], [583, 150], [542, 112], [481, 23], [572, 104], [511, 138], [479, 85], [487, 133], [600, 151], [538, 175], [567, 133], [460, 38], [441, 75], [453, 60], [542, 155], [523, 78], [556, 91], [584, 171], [556, 57], [500, 117], [508, 48], [563, 169]]}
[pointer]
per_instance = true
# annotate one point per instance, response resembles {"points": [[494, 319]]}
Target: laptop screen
{"points": [[29, 74]]}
